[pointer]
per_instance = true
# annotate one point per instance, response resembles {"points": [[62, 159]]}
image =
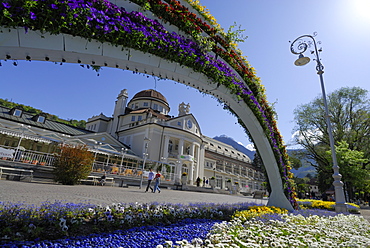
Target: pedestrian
{"points": [[150, 179], [324, 196], [103, 179], [204, 181], [157, 179], [198, 181]]}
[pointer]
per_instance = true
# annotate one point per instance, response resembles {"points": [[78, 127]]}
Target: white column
{"points": [[181, 147], [200, 159], [191, 169], [178, 171], [166, 143]]}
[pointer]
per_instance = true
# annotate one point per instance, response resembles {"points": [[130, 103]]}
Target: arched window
{"points": [[185, 169]]}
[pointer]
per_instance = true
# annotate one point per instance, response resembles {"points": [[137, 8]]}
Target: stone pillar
{"points": [[181, 147], [166, 143], [178, 171], [200, 160], [191, 169]]}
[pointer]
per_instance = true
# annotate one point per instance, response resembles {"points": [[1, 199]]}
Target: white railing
{"points": [[47, 159], [30, 157]]}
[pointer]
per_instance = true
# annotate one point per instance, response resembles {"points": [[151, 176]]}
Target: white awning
{"points": [[23, 135]]}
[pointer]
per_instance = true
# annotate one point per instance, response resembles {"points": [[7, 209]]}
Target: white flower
{"points": [[169, 243]]}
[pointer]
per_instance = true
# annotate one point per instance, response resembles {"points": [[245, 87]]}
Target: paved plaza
{"points": [[37, 193]]}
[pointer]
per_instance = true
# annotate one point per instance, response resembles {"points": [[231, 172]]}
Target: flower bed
{"points": [[236, 225], [57, 220], [328, 205]]}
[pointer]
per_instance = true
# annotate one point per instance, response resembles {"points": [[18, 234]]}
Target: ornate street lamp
{"points": [[298, 47]]}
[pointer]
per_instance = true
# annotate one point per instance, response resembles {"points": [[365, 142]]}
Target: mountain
{"points": [[230, 141], [306, 167], [301, 172]]}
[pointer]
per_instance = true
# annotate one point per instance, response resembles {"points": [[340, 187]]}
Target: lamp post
{"points": [[23, 128], [162, 161], [123, 150], [298, 47], [145, 155], [98, 144]]}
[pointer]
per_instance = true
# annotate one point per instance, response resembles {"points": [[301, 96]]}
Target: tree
{"points": [[351, 166], [295, 159], [302, 186], [72, 163], [349, 111]]}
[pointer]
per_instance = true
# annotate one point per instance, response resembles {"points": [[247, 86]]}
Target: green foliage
{"points": [[302, 184], [350, 162], [349, 110], [8, 104], [72, 163], [235, 36], [295, 161]]}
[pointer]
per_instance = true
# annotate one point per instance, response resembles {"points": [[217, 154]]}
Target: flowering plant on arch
{"points": [[103, 21]]}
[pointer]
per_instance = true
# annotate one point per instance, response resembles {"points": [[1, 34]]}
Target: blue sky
{"points": [[343, 26]]}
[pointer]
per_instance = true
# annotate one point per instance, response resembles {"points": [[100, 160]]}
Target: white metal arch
{"points": [[18, 45]]}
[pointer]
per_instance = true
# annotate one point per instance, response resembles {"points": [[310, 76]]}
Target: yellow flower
{"points": [[256, 211]]}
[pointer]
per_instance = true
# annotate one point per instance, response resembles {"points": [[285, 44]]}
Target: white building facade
{"points": [[144, 125]]}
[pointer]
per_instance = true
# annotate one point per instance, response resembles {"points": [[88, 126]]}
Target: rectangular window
{"points": [[155, 106], [139, 118], [145, 104], [133, 118], [17, 112], [179, 123], [41, 119]]}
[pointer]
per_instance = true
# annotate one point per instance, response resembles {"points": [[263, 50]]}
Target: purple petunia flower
{"points": [[32, 16], [6, 5]]}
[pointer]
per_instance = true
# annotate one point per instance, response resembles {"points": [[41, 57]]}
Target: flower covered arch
{"points": [[171, 39]]}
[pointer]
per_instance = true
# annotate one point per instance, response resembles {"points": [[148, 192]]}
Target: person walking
{"points": [[103, 179], [198, 181], [150, 179], [157, 179]]}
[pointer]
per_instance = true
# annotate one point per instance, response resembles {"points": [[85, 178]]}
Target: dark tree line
{"points": [[31, 110]]}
